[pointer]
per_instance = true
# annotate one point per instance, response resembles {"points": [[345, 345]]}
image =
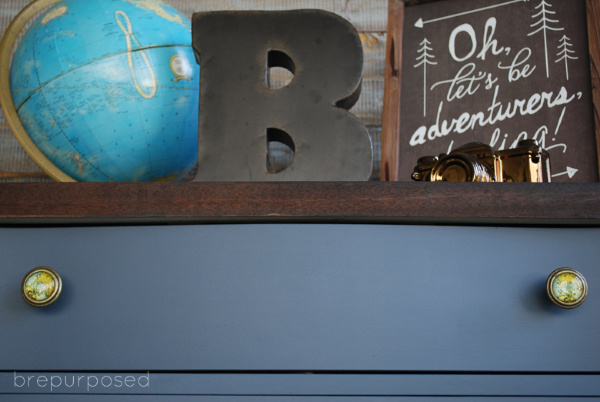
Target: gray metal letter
{"points": [[240, 114]]}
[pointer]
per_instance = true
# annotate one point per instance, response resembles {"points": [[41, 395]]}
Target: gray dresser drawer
{"points": [[299, 297]]}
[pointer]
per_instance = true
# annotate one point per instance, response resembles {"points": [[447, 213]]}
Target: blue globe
{"points": [[108, 90]]}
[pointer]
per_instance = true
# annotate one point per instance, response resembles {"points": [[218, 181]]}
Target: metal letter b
{"points": [[240, 115]]}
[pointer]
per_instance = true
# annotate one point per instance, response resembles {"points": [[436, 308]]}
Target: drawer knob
{"points": [[566, 287], [41, 286]]}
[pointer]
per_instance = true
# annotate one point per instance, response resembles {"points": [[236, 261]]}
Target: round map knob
{"points": [[566, 287], [41, 286]]}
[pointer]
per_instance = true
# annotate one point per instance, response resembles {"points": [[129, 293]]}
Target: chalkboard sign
{"points": [[493, 71]]}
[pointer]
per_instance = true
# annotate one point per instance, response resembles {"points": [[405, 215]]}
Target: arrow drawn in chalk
{"points": [[420, 22], [570, 171]]}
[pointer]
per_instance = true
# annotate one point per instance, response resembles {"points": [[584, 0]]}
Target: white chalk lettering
{"points": [[468, 29], [514, 72], [463, 83], [496, 112], [489, 90], [488, 42]]}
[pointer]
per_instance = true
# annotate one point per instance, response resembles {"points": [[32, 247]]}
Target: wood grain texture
{"points": [[365, 15], [593, 28], [368, 16], [399, 202], [390, 148]]}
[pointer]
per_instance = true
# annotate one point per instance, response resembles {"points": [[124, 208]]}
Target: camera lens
{"points": [[461, 167], [455, 172]]}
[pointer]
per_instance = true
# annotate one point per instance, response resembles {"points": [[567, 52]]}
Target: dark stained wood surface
{"points": [[444, 203], [593, 25], [390, 151]]}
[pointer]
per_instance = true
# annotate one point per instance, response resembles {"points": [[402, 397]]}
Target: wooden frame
{"points": [[329, 202], [390, 148]]}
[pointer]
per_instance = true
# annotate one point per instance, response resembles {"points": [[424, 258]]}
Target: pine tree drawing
{"points": [[565, 53], [424, 59], [545, 25]]}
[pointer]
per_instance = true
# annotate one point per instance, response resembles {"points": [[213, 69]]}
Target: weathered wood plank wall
{"points": [[368, 16]]}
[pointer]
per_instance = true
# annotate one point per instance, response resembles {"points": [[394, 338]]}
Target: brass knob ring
{"points": [[566, 287], [41, 286]]}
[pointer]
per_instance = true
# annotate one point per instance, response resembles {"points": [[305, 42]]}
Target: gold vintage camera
{"points": [[477, 162]]}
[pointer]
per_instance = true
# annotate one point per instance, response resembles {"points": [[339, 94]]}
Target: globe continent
{"points": [[108, 90], [40, 286]]}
